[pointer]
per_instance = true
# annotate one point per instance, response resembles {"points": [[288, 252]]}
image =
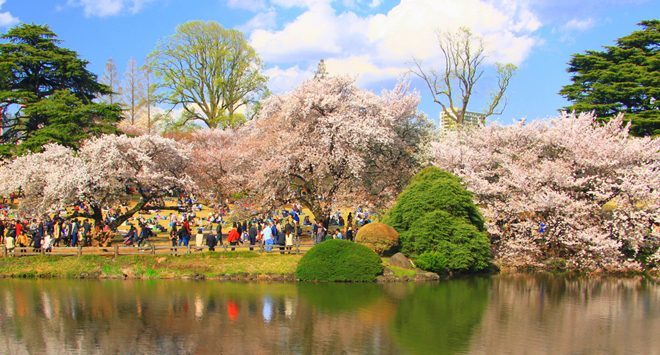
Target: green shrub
{"points": [[379, 237], [339, 260], [439, 225], [430, 190]]}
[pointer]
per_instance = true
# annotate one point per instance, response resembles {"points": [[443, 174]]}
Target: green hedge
{"points": [[439, 225], [339, 260]]}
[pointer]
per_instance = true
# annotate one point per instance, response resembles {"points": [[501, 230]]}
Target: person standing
{"points": [[10, 239], [173, 235], [57, 232], [267, 235], [233, 237], [252, 235], [199, 237], [75, 227], [86, 233], [211, 241], [320, 233], [288, 236]]}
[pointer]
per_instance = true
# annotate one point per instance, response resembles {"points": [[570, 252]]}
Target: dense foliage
{"points": [[569, 191], [339, 260], [379, 237], [439, 224], [623, 78], [46, 93], [210, 71]]}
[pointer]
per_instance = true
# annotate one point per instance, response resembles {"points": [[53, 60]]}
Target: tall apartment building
{"points": [[472, 119]]}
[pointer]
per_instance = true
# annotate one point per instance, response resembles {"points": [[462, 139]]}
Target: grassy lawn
{"points": [[209, 265]]}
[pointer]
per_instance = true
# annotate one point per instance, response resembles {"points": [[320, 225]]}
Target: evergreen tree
{"points": [[48, 92], [623, 78]]}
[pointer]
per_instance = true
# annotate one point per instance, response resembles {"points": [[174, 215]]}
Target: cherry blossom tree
{"points": [[329, 143], [569, 190], [105, 172], [217, 157]]}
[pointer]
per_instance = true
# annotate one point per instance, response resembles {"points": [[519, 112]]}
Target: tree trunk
{"points": [[124, 217]]}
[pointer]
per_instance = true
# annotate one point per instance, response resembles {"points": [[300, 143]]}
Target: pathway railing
{"points": [[117, 250]]}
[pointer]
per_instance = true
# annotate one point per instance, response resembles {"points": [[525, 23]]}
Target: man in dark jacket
{"points": [[252, 235], [211, 241]]}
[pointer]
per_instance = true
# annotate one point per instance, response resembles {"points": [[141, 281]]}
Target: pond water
{"points": [[519, 314]]}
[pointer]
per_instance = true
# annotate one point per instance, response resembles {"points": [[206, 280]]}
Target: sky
{"points": [[374, 41]]}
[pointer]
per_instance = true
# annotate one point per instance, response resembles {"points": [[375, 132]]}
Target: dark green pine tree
{"points": [[47, 93], [622, 78]]}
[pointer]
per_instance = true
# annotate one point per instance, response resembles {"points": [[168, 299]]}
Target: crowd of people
{"points": [[279, 230], [49, 232]]}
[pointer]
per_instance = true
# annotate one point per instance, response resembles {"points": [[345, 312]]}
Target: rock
{"points": [[128, 273], [426, 276], [400, 260]]}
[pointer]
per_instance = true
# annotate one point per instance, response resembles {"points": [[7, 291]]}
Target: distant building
{"points": [[471, 119], [321, 71]]}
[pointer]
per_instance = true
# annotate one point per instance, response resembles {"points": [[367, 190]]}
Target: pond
{"points": [[513, 314]]}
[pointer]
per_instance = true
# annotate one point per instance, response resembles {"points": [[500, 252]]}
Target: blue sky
{"points": [[371, 40]]}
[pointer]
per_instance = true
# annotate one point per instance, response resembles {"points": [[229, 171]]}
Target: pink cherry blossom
{"points": [[592, 185]]}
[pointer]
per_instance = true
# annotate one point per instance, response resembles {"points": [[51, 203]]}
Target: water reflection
{"points": [[515, 314]]}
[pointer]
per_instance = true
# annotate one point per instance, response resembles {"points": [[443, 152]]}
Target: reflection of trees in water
{"points": [[560, 315], [519, 314], [440, 319], [174, 317]]}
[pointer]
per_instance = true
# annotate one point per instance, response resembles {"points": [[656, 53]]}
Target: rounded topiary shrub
{"points": [[439, 225], [379, 237], [339, 260]]}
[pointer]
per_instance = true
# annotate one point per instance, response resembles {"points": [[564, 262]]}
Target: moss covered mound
{"points": [[379, 237], [339, 260]]}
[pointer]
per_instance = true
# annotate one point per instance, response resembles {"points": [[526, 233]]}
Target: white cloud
{"points": [[579, 25], [263, 20], [6, 18], [282, 80], [381, 46], [105, 8]]}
